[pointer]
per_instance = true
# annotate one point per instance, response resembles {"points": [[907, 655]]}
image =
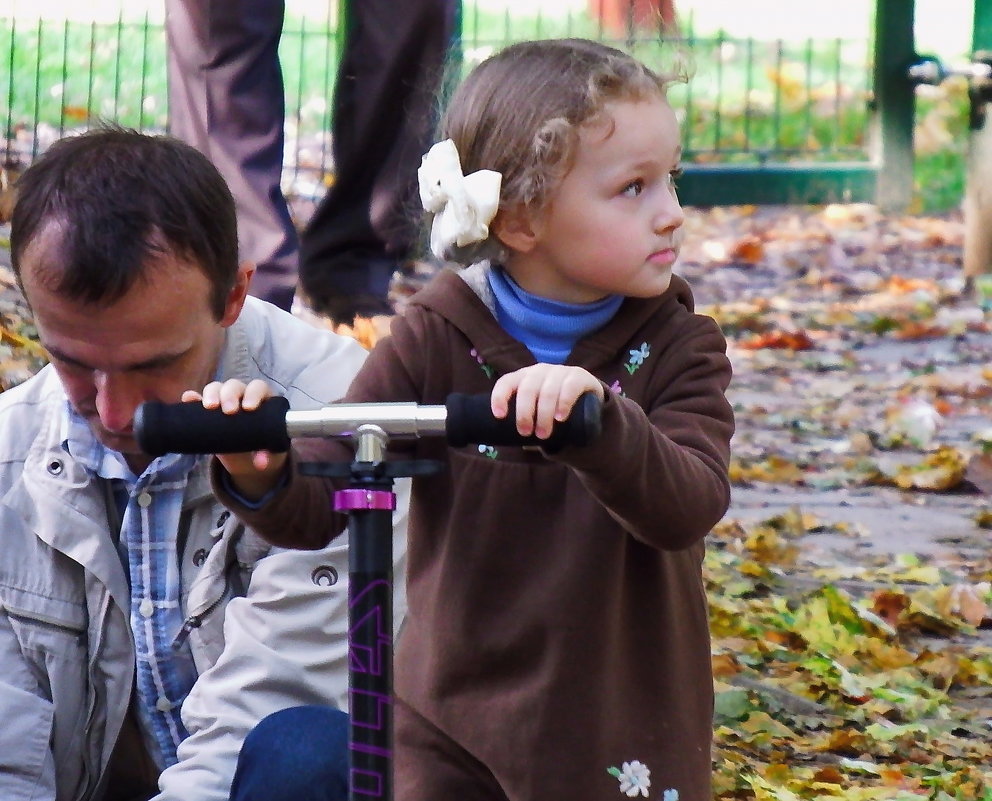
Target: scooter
{"points": [[369, 502]]}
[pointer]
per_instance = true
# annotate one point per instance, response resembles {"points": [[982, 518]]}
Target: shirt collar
{"points": [[79, 441]]}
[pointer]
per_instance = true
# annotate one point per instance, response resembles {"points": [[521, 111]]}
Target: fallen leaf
{"points": [[791, 340], [747, 250]]}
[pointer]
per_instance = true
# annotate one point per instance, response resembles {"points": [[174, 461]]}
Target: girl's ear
{"points": [[516, 228]]}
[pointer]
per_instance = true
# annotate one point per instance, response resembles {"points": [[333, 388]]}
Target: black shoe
{"points": [[344, 309]]}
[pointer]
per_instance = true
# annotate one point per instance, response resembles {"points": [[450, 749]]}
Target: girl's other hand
{"points": [[254, 473], [545, 395]]}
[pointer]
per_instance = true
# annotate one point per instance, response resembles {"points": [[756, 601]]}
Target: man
{"points": [[142, 628], [226, 97]]}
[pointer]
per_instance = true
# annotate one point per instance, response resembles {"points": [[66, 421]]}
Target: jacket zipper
{"points": [[91, 774], [195, 621]]}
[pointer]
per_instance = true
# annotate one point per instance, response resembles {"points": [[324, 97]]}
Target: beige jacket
{"points": [[273, 623]]}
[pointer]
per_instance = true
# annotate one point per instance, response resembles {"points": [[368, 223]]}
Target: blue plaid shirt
{"points": [[149, 506]]}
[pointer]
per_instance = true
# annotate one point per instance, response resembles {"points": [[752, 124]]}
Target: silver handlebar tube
{"points": [[343, 420]]}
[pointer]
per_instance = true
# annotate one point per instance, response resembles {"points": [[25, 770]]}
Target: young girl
{"points": [[556, 644]]}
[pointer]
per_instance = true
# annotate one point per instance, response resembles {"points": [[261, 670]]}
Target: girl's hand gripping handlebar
{"points": [[190, 428]]}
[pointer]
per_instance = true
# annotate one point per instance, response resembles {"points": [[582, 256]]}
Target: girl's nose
{"points": [[669, 215]]}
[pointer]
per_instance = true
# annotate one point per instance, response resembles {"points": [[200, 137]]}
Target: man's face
{"points": [[158, 340]]}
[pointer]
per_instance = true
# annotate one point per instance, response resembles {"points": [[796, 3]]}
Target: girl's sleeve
{"points": [[300, 513], [662, 471]]}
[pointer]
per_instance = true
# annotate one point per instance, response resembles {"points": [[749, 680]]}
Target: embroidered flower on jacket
{"points": [[637, 358], [488, 450], [670, 795], [485, 367], [634, 778], [616, 389]]}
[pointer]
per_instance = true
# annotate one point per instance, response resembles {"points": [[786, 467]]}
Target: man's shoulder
{"points": [[41, 388], [23, 412], [310, 365]]}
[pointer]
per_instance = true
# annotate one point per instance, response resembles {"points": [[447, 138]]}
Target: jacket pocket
{"points": [[46, 626], [52, 639]]}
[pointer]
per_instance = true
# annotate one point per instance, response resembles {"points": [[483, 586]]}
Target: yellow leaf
{"points": [[763, 723], [941, 470], [965, 601], [766, 791], [19, 341]]}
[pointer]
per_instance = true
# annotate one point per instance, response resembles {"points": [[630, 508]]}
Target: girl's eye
{"points": [[633, 189], [674, 176]]}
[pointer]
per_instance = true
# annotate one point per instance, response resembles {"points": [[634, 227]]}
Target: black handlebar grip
{"points": [[470, 420], [189, 428]]}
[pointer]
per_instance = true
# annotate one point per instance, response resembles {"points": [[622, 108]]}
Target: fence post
{"points": [[894, 103], [978, 166], [981, 38]]}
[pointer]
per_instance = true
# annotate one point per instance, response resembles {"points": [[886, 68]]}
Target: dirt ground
{"points": [[789, 270], [833, 278], [862, 386]]}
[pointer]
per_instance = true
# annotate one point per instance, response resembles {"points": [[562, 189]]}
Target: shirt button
{"points": [[147, 608], [163, 704], [144, 500]]}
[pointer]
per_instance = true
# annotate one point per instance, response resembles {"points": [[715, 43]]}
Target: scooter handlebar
{"points": [[190, 428], [470, 420]]}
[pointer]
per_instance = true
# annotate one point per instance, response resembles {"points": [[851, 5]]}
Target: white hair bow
{"points": [[463, 205]]}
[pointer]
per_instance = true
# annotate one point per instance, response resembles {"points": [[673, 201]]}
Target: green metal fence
{"points": [[764, 121]]}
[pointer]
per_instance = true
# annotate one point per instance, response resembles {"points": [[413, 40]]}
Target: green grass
{"points": [[63, 74], [67, 74], [747, 101], [940, 170]]}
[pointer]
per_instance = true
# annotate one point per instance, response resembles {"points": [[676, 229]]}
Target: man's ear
{"points": [[516, 228], [236, 297]]}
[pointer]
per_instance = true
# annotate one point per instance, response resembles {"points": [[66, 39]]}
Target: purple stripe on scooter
{"points": [[351, 499]]}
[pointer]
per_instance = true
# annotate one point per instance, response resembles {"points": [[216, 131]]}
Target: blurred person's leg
{"points": [[226, 98], [384, 118]]}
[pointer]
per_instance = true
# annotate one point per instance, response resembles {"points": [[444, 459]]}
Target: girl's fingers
{"points": [[211, 395], [231, 393], [503, 389], [256, 392], [544, 394], [548, 402], [531, 382]]}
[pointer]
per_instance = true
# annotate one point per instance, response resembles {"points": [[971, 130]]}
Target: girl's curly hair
{"points": [[520, 110]]}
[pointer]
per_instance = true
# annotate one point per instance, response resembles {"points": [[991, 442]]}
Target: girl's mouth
{"points": [[664, 256]]}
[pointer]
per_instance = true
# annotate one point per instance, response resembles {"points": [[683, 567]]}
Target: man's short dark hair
{"points": [[121, 199]]}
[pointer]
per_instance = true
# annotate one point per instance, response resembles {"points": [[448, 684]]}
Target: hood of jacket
{"points": [[464, 299]]}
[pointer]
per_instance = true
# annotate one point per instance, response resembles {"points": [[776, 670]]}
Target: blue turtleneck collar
{"points": [[549, 328]]}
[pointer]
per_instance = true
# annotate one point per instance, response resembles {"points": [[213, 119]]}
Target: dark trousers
{"points": [[384, 117], [226, 98], [298, 754]]}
